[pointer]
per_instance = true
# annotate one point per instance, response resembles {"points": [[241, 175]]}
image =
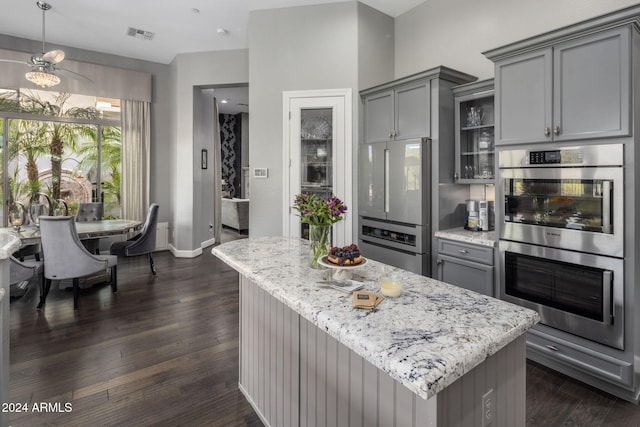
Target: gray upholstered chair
{"points": [[90, 212], [20, 272], [66, 258], [143, 243]]}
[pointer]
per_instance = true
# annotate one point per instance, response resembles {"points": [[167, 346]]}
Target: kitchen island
{"points": [[8, 245], [436, 355]]}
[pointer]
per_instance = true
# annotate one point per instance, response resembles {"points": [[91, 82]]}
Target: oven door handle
{"points": [[607, 221], [607, 298]]}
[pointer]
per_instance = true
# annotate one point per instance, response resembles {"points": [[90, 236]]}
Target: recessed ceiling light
{"points": [[224, 101], [222, 32], [194, 10]]}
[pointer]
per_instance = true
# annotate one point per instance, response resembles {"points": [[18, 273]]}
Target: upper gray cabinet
{"points": [[575, 88], [378, 115], [397, 114]]}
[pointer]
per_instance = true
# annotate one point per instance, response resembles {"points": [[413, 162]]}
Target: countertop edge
{"points": [[459, 234], [8, 245]]}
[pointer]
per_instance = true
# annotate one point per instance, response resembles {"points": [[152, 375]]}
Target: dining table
{"points": [[30, 234]]}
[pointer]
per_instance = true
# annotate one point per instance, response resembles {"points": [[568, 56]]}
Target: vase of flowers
{"points": [[320, 213]]}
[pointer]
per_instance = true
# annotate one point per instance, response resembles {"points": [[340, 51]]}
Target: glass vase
{"points": [[319, 238]]}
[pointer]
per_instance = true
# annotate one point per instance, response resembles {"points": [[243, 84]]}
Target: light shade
{"points": [[42, 79]]}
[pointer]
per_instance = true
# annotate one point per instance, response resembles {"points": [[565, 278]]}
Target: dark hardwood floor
{"points": [[164, 352]]}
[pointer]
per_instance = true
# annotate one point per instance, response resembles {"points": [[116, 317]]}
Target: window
{"points": [[61, 148]]}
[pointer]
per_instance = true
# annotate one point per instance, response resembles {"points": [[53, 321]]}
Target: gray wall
{"points": [[195, 71], [160, 109], [456, 32], [202, 178], [304, 48]]}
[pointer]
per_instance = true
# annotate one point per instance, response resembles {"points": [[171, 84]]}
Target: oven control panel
{"points": [[551, 157]]}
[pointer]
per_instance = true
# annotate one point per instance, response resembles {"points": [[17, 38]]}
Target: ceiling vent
{"points": [[140, 34]]}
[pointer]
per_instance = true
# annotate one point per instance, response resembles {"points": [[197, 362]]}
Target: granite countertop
{"points": [[483, 238], [8, 245], [431, 335]]}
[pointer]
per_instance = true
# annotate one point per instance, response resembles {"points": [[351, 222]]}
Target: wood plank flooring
{"points": [[164, 352]]}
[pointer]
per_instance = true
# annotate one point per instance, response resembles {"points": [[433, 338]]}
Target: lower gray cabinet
{"points": [[466, 265]]}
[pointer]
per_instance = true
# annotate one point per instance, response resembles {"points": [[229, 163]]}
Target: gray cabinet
{"points": [[397, 114], [576, 89], [466, 265], [474, 133], [378, 116]]}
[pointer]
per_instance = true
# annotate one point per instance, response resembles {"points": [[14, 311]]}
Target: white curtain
{"points": [[217, 175], [136, 143]]}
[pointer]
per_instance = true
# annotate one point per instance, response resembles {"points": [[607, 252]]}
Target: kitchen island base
{"points": [[295, 374]]}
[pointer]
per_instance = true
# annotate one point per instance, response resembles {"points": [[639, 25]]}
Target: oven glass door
{"points": [[576, 289], [575, 208], [578, 204], [582, 294]]}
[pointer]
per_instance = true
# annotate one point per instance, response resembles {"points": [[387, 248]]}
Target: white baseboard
{"points": [[208, 243], [185, 254]]}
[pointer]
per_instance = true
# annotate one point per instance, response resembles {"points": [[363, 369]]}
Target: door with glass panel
{"points": [[318, 156]]}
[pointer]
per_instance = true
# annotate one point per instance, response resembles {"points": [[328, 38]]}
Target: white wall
{"points": [[190, 73], [305, 48], [456, 32]]}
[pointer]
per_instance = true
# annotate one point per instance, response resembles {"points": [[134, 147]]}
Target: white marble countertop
{"points": [[8, 245], [431, 335], [483, 238]]}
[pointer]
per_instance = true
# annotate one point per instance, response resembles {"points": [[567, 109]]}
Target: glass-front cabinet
{"points": [[474, 125], [316, 151]]}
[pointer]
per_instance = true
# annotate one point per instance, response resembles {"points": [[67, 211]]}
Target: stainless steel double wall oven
{"points": [[562, 237]]}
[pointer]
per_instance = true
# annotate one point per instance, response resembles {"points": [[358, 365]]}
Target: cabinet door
{"points": [[378, 117], [412, 111], [592, 86], [371, 180], [466, 274], [523, 98], [474, 137], [405, 192]]}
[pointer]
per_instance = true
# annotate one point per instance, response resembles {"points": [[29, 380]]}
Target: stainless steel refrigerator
{"points": [[394, 202]]}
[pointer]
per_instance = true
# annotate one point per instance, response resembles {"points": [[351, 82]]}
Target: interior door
{"points": [[318, 150]]}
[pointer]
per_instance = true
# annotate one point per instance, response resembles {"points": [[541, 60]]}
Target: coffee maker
{"points": [[480, 215]]}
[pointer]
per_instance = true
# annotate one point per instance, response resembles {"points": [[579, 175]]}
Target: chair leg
{"points": [[76, 292], [114, 279], [153, 266], [44, 291]]}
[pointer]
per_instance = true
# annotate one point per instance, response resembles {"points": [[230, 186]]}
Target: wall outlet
{"points": [[488, 409]]}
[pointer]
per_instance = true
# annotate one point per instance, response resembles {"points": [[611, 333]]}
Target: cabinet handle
{"points": [[556, 130], [552, 347], [547, 131], [439, 262], [463, 251], [390, 135]]}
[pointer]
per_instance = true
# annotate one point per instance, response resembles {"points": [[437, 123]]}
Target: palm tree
{"points": [[110, 159], [28, 138], [58, 132]]}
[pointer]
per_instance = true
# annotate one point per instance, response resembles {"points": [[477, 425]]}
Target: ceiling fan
{"points": [[44, 68]]}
